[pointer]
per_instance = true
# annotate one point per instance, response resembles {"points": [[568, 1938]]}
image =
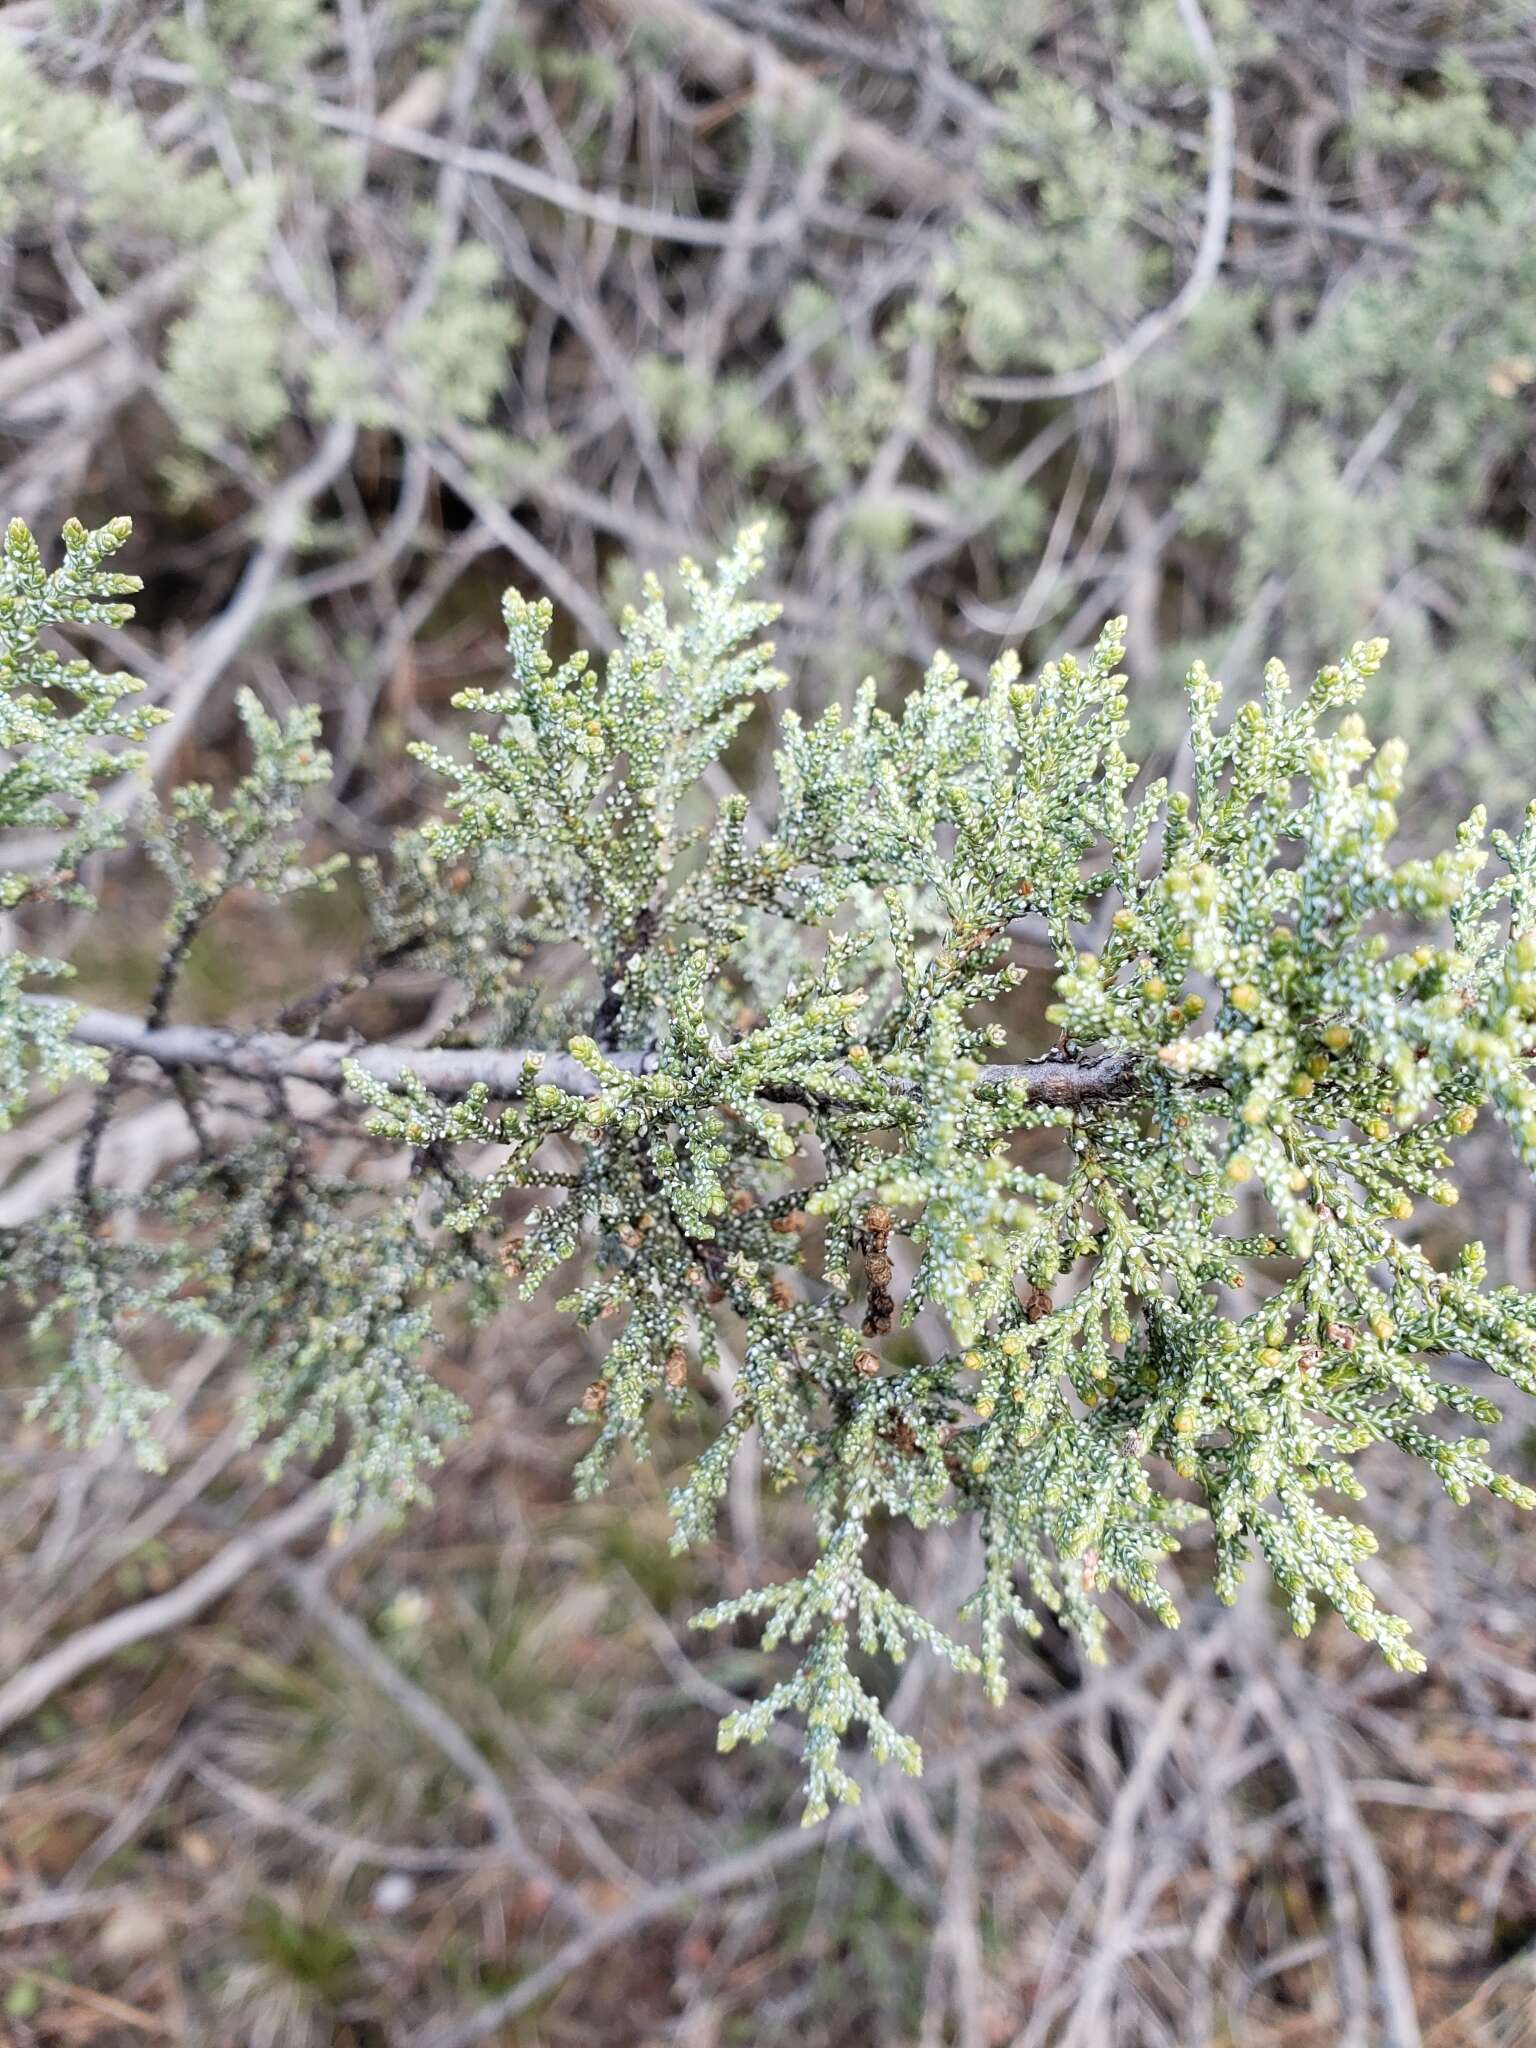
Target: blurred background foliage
{"points": [[1007, 315]]}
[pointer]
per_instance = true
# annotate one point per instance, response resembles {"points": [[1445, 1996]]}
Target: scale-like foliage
{"points": [[61, 728], [1166, 1272]]}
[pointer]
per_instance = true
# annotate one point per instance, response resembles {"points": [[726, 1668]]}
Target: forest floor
{"points": [[456, 1781]]}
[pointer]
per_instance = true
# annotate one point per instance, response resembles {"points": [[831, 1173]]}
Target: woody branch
{"points": [[505, 1072]]}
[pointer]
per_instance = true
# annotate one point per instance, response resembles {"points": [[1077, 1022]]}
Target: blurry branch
{"points": [[527, 549], [265, 1811], [760, 1860], [53, 1908], [51, 355], [36, 1683], [605, 208], [1208, 256], [281, 522], [729, 58], [1357, 1881], [1320, 220], [448, 1070], [956, 1972], [134, 1151], [434, 1722]]}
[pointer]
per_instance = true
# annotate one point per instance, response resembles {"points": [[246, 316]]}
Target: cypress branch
{"points": [[1293, 1033]]}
